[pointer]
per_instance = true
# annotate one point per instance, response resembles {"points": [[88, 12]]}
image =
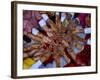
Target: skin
{"points": [[57, 38]]}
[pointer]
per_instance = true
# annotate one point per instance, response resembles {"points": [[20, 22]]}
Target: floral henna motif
{"points": [[59, 40]]}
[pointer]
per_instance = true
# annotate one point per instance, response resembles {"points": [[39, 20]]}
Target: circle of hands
{"points": [[56, 40]]}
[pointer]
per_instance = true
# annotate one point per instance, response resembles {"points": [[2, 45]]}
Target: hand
{"points": [[45, 57], [46, 39]]}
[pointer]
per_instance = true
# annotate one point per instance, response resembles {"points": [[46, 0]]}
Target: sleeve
{"points": [[35, 31], [57, 13], [42, 23], [36, 65], [89, 41], [63, 16], [87, 30], [45, 17]]}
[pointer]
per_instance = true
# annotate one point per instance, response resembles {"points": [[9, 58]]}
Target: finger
{"points": [[57, 20], [31, 53], [25, 55], [49, 21]]}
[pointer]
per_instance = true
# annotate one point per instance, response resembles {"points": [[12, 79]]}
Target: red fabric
{"points": [[49, 60], [27, 14], [84, 57], [30, 20], [88, 36], [71, 65], [84, 19]]}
